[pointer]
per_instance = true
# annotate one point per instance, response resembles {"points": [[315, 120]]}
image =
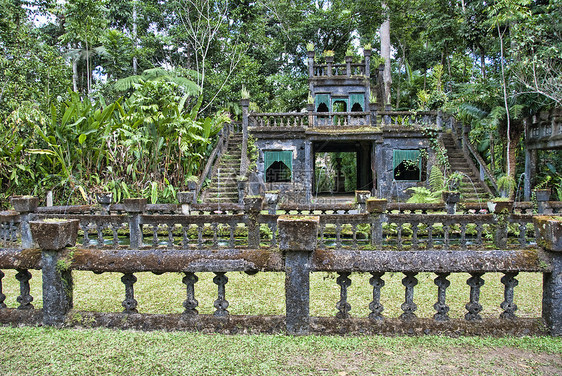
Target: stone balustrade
{"points": [[377, 241]]}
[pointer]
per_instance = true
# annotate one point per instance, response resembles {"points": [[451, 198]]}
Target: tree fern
{"points": [[436, 179]]}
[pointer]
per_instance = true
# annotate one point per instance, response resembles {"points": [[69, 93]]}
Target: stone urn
{"points": [[376, 205], [298, 232], [549, 231], [54, 234], [104, 198], [25, 204], [134, 205], [542, 195], [451, 197]]}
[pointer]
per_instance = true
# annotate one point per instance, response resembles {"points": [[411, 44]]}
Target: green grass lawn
{"points": [[45, 351]]}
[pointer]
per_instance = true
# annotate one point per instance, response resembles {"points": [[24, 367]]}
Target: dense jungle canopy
{"points": [[127, 95]]}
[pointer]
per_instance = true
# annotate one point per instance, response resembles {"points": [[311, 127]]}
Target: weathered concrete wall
{"points": [[387, 187]]}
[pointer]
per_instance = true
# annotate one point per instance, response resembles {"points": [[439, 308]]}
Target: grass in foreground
{"points": [[40, 351]]}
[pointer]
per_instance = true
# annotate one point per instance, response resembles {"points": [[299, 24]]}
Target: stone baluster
{"points": [[343, 306], [130, 303], [441, 307], [190, 304], [474, 307], [25, 298], [409, 307], [508, 306], [221, 304], [375, 306]]}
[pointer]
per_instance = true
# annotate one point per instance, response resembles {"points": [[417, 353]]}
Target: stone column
{"points": [[252, 207], [377, 209], [530, 171], [308, 170], [134, 208], [52, 238], [298, 236], [550, 238], [26, 206]]}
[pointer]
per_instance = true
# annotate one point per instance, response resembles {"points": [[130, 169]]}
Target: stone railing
{"points": [[339, 70], [341, 119], [407, 118], [544, 130], [275, 120], [163, 239]]}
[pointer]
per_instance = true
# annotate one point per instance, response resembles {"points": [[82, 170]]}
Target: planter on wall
{"points": [[54, 234], [542, 195], [500, 207], [25, 204], [134, 205], [376, 205]]}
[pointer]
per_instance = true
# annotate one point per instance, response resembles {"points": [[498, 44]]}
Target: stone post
{"points": [[500, 233], [550, 239], [242, 190], [52, 238], [377, 209], [329, 61], [26, 206], [298, 236], [310, 55], [244, 162], [104, 199], [134, 208], [252, 207]]}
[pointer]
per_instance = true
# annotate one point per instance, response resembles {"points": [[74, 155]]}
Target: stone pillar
{"points": [[244, 162], [298, 236], [252, 207], [377, 209], [550, 238], [329, 61], [500, 233], [26, 206], [134, 208], [52, 238], [308, 170]]}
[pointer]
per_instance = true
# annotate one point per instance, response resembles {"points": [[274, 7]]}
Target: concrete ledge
{"points": [[241, 324]]}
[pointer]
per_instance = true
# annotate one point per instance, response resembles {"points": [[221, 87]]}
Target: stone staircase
{"points": [[472, 189], [224, 186]]}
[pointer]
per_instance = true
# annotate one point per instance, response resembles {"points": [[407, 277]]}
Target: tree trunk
{"points": [[75, 75], [385, 52], [135, 38]]}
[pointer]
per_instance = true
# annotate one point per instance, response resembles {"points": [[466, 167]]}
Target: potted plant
{"points": [[329, 55], [24, 204], [549, 232], [53, 234]]}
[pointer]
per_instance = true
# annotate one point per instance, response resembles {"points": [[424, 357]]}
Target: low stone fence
{"points": [[161, 239]]}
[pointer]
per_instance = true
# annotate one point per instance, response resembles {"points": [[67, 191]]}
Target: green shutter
{"points": [[322, 98], [285, 156], [405, 155], [357, 98]]}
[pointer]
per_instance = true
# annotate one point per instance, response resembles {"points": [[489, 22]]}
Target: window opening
{"points": [[407, 165], [278, 166]]}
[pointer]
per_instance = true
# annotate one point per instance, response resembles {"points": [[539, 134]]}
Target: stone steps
{"points": [[223, 187], [472, 189]]}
